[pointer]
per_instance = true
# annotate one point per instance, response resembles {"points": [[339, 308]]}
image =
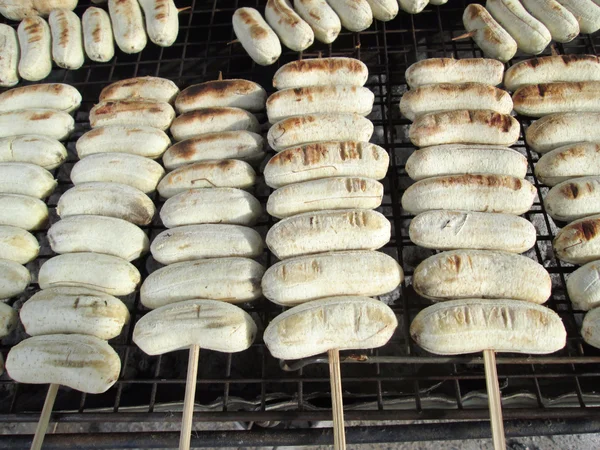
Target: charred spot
{"points": [[483, 180], [201, 114], [246, 17], [258, 32], [225, 164], [570, 190], [97, 34], [587, 229], [217, 89], [577, 151], [314, 15], [568, 59], [41, 116], [183, 150], [64, 34], [284, 157], [533, 62], [542, 89], [474, 11], [284, 13], [492, 35], [455, 261], [502, 121]]}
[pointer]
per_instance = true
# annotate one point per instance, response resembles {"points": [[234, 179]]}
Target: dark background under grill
{"points": [[542, 395]]}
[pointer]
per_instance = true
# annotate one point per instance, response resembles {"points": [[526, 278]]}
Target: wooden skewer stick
{"points": [[553, 50], [42, 426], [220, 76], [494, 399], [335, 378], [185, 8], [465, 36], [235, 41], [188, 402]]}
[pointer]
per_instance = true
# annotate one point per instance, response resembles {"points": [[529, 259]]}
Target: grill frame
{"points": [[559, 386]]}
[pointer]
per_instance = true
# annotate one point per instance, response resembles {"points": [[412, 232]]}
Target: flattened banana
{"points": [[149, 89], [456, 159], [452, 96], [107, 199], [349, 322], [243, 145], [14, 278], [324, 231], [483, 193], [232, 280], [583, 287], [81, 362], [33, 149], [569, 161], [234, 93], [209, 324], [208, 174], [23, 211], [552, 69], [464, 127], [18, 245], [9, 65], [193, 242], [132, 170], [447, 230], [211, 205], [76, 310], [579, 241], [319, 99], [320, 72], [301, 130], [57, 96], [136, 113], [98, 234], [143, 141], [590, 328], [306, 278], [98, 38], [213, 120], [574, 199], [46, 122], [449, 70], [104, 273], [326, 193], [26, 179], [326, 159], [557, 130], [481, 274], [474, 325]]}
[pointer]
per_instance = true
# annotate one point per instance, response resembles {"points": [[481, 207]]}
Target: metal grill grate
{"points": [[397, 382]]}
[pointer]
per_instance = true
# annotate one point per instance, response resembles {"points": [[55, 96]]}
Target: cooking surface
{"points": [[397, 382]]}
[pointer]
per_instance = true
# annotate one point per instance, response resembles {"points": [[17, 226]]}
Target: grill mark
{"points": [[586, 230], [63, 21], [217, 89], [109, 108], [494, 181], [41, 116], [328, 65]]}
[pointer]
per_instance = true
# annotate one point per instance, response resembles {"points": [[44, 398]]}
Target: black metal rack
{"points": [[399, 382]]}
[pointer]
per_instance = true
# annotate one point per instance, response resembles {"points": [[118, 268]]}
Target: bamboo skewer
{"points": [[339, 435], [494, 400], [188, 402], [466, 35], [42, 426]]}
